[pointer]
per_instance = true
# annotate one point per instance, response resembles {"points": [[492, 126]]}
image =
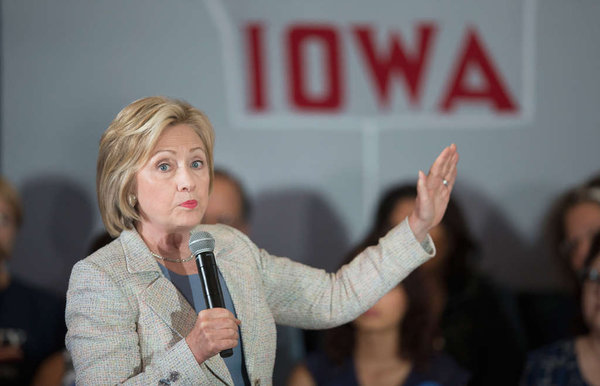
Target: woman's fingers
{"points": [[444, 167], [442, 162], [451, 178]]}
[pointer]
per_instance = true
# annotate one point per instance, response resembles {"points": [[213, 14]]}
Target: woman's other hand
{"points": [[433, 193], [216, 329]]}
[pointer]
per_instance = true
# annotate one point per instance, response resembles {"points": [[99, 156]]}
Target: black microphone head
{"points": [[201, 242]]}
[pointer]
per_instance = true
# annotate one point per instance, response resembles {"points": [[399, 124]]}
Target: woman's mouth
{"points": [[190, 204]]}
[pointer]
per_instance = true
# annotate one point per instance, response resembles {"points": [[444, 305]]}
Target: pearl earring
{"points": [[132, 199]]}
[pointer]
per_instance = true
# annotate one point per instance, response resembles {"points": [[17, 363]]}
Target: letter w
{"points": [[396, 62]]}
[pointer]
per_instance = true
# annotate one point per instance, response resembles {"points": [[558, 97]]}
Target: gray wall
{"points": [[68, 66]]}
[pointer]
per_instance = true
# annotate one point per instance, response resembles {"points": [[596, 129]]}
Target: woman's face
{"points": [[172, 187], [438, 234], [387, 313], [581, 223], [590, 299]]}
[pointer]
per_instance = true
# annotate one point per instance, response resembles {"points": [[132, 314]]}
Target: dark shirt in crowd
{"points": [[481, 334], [442, 370], [32, 320], [553, 365]]}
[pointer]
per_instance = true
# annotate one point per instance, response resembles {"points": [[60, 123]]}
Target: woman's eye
{"points": [[197, 164], [163, 167]]}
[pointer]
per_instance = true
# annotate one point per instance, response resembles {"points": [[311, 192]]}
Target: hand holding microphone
{"points": [[216, 329]]}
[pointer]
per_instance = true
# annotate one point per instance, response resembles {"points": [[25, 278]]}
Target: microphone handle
{"points": [[209, 276]]}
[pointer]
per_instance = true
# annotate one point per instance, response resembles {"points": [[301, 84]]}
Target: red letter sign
{"points": [[327, 38], [256, 78], [475, 57], [396, 61]]}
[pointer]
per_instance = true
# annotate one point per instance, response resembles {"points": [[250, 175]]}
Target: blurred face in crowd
{"points": [[387, 313], [225, 205], [172, 187], [8, 229], [581, 222], [403, 208], [590, 300]]}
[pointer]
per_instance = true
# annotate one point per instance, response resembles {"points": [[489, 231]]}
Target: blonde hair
{"points": [[126, 146], [11, 197]]}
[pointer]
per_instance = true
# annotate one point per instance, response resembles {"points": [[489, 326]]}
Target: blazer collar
{"points": [[137, 254]]}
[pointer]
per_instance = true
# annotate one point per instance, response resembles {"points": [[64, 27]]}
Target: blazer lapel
{"points": [[168, 303], [164, 299], [243, 309]]}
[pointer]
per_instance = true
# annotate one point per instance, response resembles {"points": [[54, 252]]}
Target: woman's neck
{"points": [[377, 358], [594, 343], [587, 348], [169, 244], [376, 345]]}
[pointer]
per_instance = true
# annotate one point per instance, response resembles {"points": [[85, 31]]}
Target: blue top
{"points": [[442, 370], [191, 288], [555, 364]]}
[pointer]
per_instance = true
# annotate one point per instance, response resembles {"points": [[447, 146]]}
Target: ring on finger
{"points": [[445, 182]]}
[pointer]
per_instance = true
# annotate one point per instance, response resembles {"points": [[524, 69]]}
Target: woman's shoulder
{"points": [[109, 255], [110, 259]]}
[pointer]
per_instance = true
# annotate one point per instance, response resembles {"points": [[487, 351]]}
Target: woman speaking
{"points": [[135, 309]]}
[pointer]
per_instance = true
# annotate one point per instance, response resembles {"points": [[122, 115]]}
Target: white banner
{"points": [[410, 64]]}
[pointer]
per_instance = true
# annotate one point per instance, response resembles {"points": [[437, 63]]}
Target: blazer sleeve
{"points": [[103, 340], [307, 297]]}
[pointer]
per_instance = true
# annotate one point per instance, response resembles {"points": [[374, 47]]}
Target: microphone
{"points": [[202, 245]]}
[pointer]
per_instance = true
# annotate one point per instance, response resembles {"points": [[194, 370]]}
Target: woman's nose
{"points": [[185, 180]]}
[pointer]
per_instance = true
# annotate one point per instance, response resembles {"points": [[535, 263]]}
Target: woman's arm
{"points": [[306, 297], [103, 340], [309, 298]]}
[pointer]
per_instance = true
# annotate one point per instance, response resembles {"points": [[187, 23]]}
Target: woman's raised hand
{"points": [[433, 193]]}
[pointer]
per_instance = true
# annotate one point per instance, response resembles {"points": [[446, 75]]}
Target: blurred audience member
{"points": [[390, 344], [572, 220], [31, 320], [477, 329], [57, 369], [574, 361], [229, 204]]}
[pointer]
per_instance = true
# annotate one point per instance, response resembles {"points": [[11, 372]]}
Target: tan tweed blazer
{"points": [[126, 322]]}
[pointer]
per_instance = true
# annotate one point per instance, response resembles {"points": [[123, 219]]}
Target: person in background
{"points": [[57, 369], [135, 309], [229, 204], [574, 361], [477, 327], [31, 320], [390, 344], [573, 218]]}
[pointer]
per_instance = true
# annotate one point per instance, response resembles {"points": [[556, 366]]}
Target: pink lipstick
{"points": [[190, 204]]}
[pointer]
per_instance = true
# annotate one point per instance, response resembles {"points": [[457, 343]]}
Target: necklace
{"points": [[172, 260]]}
